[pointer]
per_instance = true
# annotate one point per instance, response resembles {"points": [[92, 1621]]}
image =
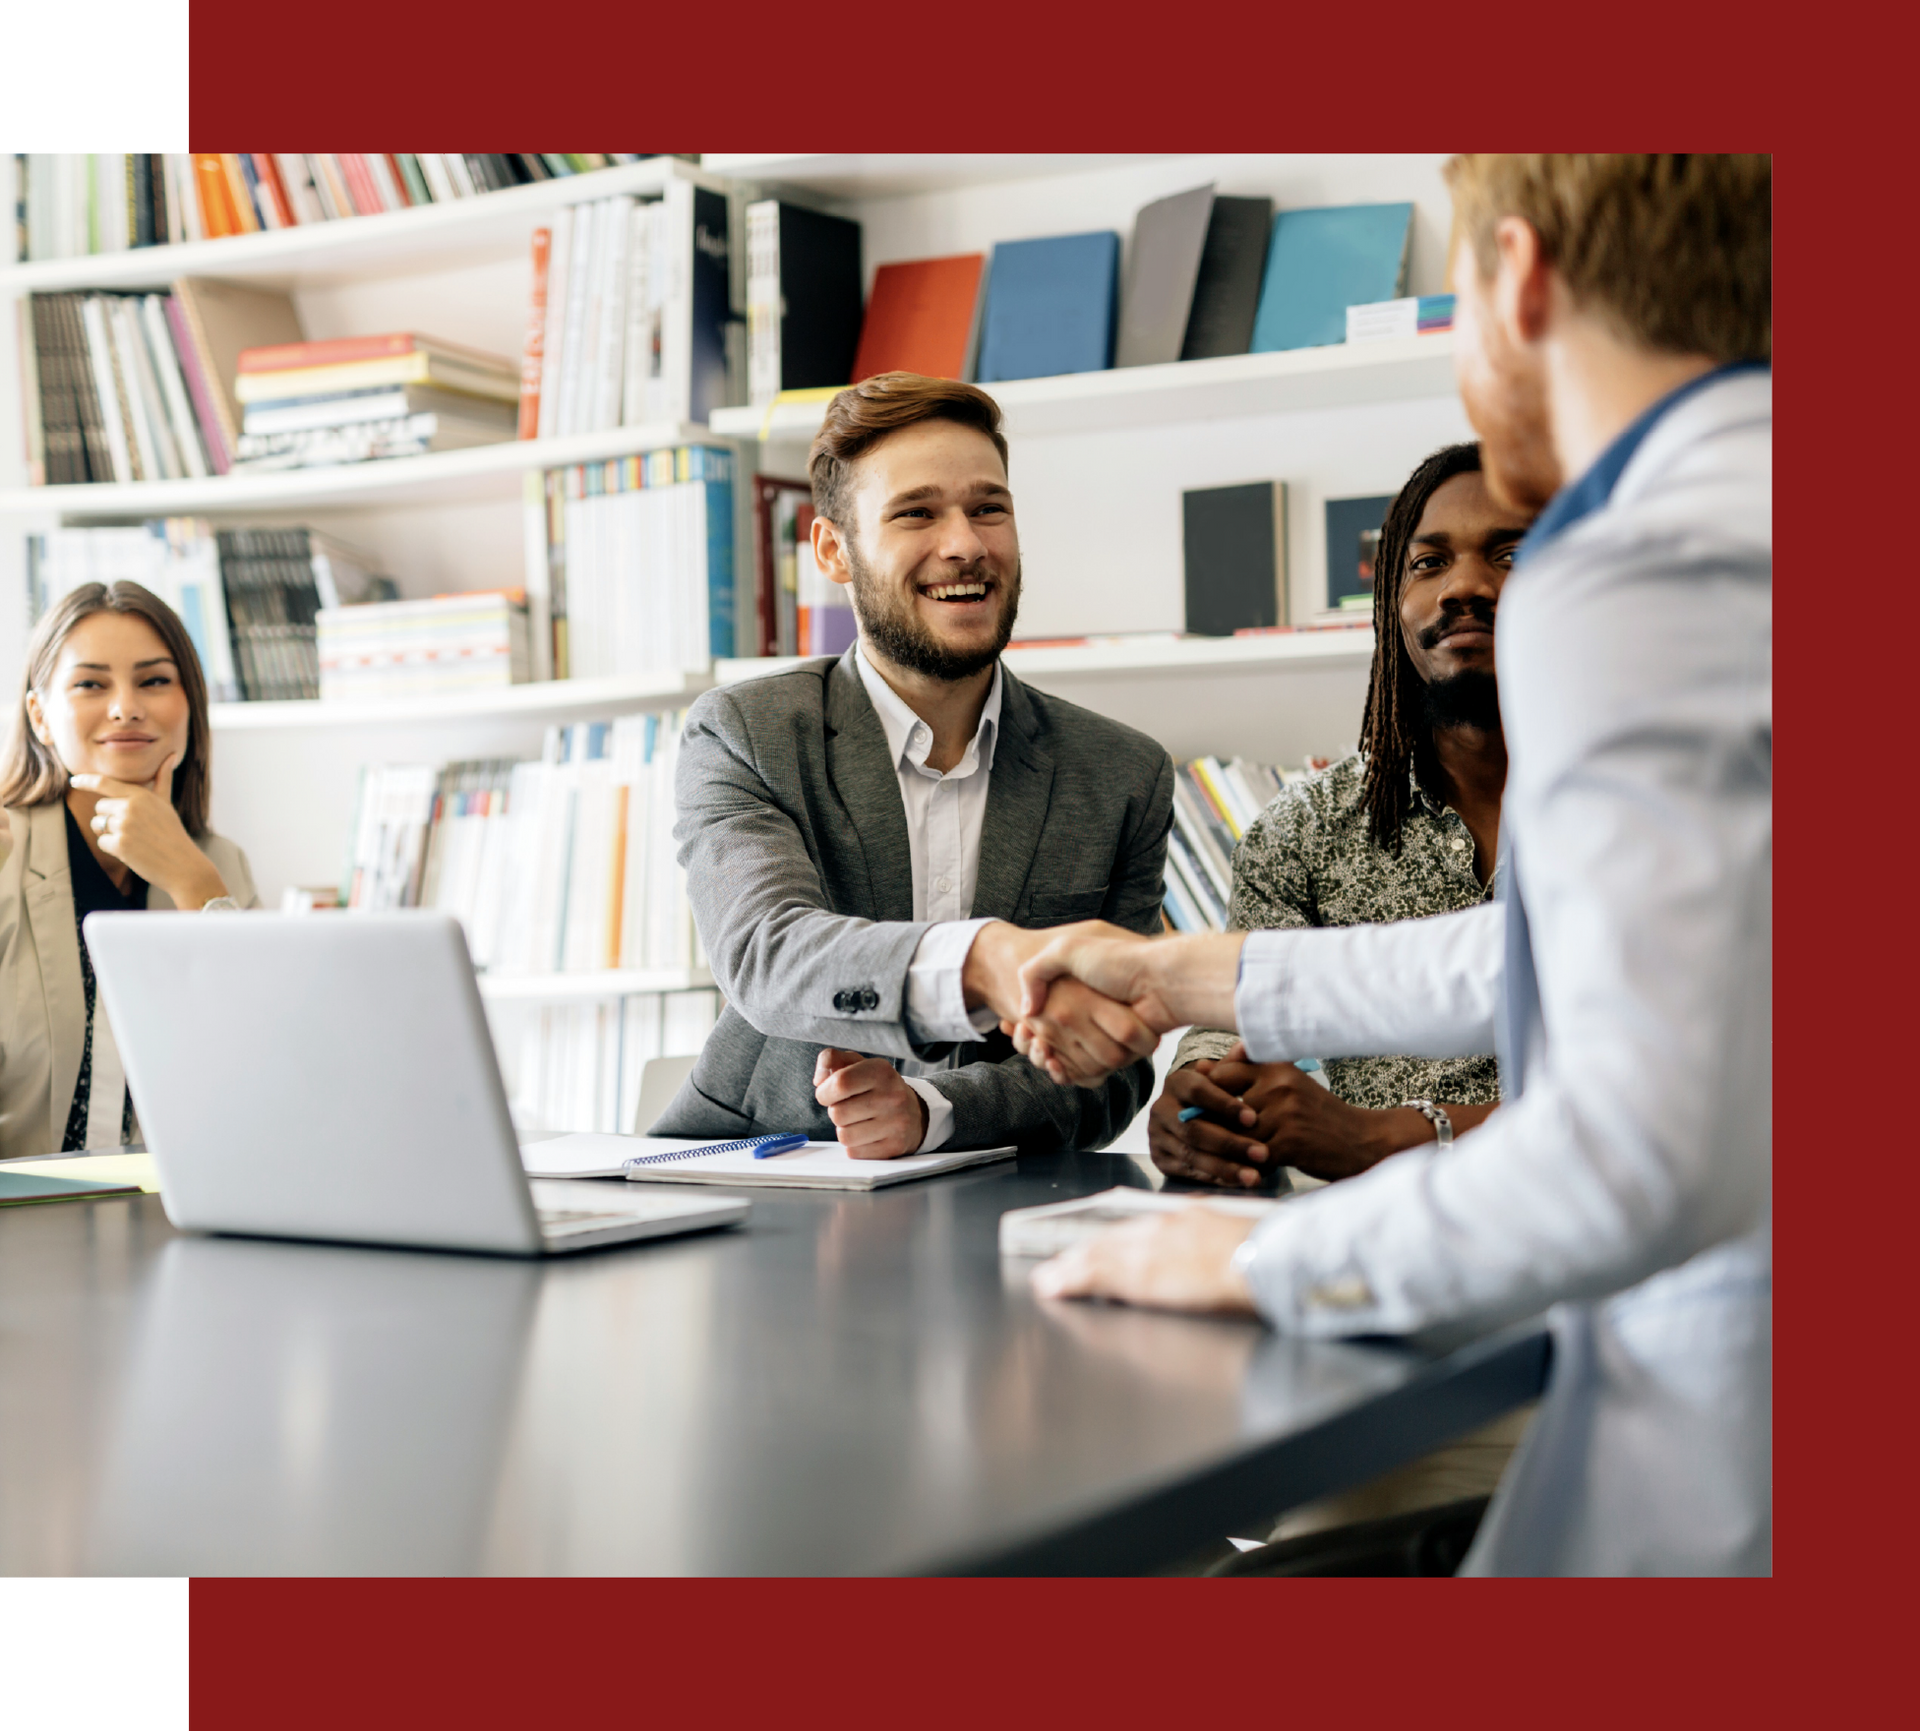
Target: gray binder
{"points": [[1168, 236]]}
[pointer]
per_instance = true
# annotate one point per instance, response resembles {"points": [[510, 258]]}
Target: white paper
{"points": [[824, 1165]]}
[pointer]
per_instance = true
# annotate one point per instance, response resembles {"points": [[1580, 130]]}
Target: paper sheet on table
{"points": [[817, 1166], [135, 1168]]}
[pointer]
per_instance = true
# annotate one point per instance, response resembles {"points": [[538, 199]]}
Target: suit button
{"points": [[869, 1000], [843, 1002]]}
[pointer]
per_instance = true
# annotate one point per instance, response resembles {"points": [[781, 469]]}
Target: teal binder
{"points": [[1320, 262]]}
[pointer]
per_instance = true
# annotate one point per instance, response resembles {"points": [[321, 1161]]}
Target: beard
{"points": [[1470, 699], [1506, 400], [889, 622]]}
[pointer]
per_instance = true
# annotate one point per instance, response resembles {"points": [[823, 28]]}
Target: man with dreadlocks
{"points": [[1404, 829]]}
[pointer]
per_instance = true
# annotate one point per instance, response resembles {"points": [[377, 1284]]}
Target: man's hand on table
{"points": [[1179, 1261], [1086, 1035], [1260, 1117], [876, 1116]]}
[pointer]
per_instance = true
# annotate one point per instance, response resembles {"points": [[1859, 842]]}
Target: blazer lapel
{"points": [[49, 891], [1017, 798], [867, 786]]}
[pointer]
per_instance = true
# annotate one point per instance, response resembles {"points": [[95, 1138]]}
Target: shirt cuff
{"points": [[1301, 1286], [1260, 997], [936, 999], [939, 1113]]}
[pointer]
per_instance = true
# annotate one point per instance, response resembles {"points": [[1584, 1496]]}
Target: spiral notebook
{"points": [[675, 1160]]}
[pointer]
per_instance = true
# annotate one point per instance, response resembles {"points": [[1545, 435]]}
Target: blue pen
{"points": [[768, 1146]]}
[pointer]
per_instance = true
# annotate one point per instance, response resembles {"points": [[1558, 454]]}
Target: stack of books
{"points": [[1214, 804], [641, 563], [578, 1066], [249, 598], [472, 642], [564, 864], [356, 398], [115, 388], [76, 205], [629, 319]]}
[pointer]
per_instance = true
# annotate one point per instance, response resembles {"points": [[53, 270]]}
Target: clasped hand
{"points": [[136, 824], [1078, 1030]]}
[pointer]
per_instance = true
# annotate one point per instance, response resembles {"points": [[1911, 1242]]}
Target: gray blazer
{"points": [[794, 839]]}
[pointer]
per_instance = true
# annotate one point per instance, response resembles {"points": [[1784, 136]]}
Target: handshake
{"points": [[1084, 1000]]}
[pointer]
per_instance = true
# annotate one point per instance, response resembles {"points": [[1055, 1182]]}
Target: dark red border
{"points": [[1056, 77]]}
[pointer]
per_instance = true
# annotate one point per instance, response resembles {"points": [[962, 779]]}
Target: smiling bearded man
{"points": [[865, 837]]}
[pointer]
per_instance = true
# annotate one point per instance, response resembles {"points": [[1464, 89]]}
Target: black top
{"points": [[93, 892]]}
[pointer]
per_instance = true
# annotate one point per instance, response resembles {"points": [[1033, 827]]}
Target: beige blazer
{"points": [[43, 1001]]}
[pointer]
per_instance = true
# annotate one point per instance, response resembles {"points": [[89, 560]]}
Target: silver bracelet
{"points": [[1442, 1124], [220, 905]]}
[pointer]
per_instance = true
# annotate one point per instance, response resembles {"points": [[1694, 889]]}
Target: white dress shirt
{"points": [[1628, 1185], [944, 818]]}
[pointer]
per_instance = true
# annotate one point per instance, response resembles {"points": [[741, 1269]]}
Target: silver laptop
{"points": [[332, 1077]]}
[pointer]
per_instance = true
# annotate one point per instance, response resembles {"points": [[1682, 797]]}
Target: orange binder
{"points": [[919, 317]]}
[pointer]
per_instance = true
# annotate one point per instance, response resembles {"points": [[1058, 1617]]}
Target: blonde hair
{"points": [[32, 775], [1675, 251]]}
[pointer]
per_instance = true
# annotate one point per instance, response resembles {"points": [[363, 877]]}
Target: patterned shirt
{"points": [[1307, 861]]}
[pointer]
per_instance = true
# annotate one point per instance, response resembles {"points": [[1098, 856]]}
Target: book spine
{"points": [[295, 179], [240, 193], [328, 187], [140, 193], [107, 388], [215, 201], [433, 168], [386, 181], [610, 316], [166, 463], [582, 272], [365, 195], [267, 178], [32, 407], [559, 289], [200, 388], [173, 386], [93, 460], [407, 166], [535, 350]]}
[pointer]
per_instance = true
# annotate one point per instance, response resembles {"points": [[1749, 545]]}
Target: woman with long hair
{"points": [[105, 788]]}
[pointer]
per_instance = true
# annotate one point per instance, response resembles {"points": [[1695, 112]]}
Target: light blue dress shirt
{"points": [[1626, 981]]}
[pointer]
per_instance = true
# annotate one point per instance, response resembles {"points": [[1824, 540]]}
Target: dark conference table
{"points": [[847, 1384]]}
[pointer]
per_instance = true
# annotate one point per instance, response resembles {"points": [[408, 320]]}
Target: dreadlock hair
{"points": [[1395, 735]]}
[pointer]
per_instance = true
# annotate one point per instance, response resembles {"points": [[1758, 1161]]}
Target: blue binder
{"points": [[1050, 307], [1320, 262]]}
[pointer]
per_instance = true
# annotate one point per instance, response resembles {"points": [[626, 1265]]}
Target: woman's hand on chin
{"points": [[137, 825]]}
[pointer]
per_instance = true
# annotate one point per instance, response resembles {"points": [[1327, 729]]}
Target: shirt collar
{"points": [[909, 739], [1581, 498]]}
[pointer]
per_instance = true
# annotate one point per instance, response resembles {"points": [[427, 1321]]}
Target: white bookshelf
{"points": [[426, 238], [542, 703], [895, 176], [1099, 461], [1149, 654], [590, 987], [1342, 376], [438, 478]]}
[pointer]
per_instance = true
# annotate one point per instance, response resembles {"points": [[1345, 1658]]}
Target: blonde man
{"points": [[1612, 344]]}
